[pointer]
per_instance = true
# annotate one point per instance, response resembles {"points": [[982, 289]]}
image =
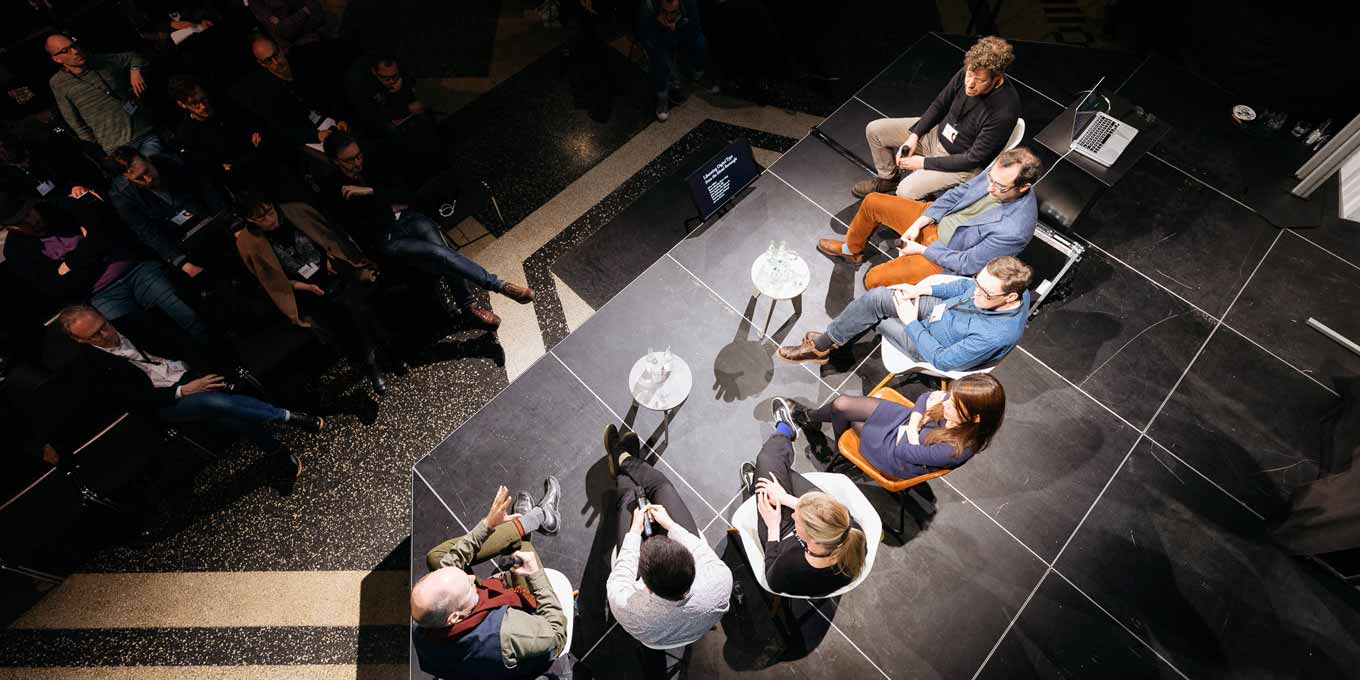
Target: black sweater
{"points": [[984, 124], [787, 570]]}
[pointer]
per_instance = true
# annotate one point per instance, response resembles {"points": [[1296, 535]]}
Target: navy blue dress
{"points": [[879, 445]]}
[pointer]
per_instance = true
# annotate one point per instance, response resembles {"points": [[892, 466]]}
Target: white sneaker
{"points": [[663, 109]]}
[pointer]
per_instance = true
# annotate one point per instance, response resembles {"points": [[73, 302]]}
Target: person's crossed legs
{"points": [[897, 214]]}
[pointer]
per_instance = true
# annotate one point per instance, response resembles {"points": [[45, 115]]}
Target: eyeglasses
{"points": [[67, 49], [978, 283], [396, 77], [273, 58], [1001, 188]]}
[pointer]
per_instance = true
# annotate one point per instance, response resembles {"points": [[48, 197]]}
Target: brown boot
{"points": [[521, 294], [831, 248], [874, 185], [483, 316], [805, 351]]}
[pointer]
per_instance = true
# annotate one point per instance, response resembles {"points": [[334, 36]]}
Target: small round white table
{"points": [[780, 285], [667, 394]]}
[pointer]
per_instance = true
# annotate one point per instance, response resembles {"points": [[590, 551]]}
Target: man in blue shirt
{"points": [[954, 326]]}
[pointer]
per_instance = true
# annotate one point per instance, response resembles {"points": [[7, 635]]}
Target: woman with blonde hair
{"points": [[812, 545]]}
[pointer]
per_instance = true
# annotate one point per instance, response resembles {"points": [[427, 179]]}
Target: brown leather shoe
{"points": [[798, 354], [483, 316], [831, 248], [521, 294], [874, 185]]}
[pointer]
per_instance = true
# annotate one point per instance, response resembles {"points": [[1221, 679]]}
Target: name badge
{"points": [[937, 313], [130, 106], [950, 133], [46, 187], [308, 270], [181, 218]]}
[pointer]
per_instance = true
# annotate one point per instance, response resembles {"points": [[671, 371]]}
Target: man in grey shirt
{"points": [[669, 588], [99, 96]]}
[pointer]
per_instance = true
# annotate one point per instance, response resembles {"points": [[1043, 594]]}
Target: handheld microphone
{"points": [[646, 518]]}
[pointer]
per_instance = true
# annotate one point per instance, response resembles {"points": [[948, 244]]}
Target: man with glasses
{"points": [[384, 102], [954, 326], [301, 105], [991, 215], [99, 95]]}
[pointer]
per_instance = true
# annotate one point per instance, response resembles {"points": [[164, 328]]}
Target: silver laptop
{"points": [[1099, 136]]}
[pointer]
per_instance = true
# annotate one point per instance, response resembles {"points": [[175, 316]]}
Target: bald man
{"points": [[490, 628], [304, 107], [99, 95]]}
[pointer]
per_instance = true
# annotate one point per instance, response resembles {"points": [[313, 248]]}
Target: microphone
{"points": [[646, 518]]}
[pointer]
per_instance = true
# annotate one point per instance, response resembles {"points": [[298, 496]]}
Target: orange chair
{"points": [[849, 450]]}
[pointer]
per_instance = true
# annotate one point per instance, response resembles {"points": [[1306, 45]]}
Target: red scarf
{"points": [[492, 594]]}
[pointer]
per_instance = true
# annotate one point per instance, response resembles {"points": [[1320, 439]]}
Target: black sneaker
{"points": [[783, 411], [552, 496], [748, 479], [631, 445], [611, 449], [306, 423]]}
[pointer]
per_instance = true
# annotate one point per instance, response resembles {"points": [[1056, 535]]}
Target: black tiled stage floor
{"points": [[1115, 526]]}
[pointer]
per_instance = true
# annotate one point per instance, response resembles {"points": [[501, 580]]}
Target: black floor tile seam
{"points": [[1119, 623], [1210, 337], [548, 310], [1134, 72], [819, 206], [437, 497], [1011, 624], [765, 333], [1281, 359], [607, 631], [1203, 476], [851, 640], [998, 524], [1324, 249]]}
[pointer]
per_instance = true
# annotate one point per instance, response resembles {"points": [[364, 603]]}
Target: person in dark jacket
{"points": [[494, 628], [159, 198], [316, 276], [664, 26], [48, 167], [386, 106], [382, 214], [942, 430], [65, 251], [156, 373], [302, 106], [216, 138], [812, 545], [962, 130]]}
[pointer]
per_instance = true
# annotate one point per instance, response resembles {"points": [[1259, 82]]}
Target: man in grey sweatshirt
{"points": [[669, 588]]}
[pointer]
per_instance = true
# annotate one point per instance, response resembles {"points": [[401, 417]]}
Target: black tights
{"points": [[845, 412]]}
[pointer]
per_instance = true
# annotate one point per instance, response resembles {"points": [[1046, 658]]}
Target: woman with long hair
{"points": [[812, 545], [943, 429]]}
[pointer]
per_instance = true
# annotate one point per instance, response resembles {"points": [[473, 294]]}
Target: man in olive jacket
{"points": [[489, 628]]}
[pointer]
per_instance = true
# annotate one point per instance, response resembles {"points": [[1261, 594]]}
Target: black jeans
{"points": [[637, 477], [776, 460]]}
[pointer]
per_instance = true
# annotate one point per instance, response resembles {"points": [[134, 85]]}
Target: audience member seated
{"points": [[385, 104], [811, 545], [159, 374], [511, 626], [959, 133], [667, 588], [954, 326], [159, 199], [663, 26], [47, 169], [300, 107], [290, 22], [377, 204], [99, 95], [942, 431], [991, 215], [217, 139], [314, 275], [61, 248]]}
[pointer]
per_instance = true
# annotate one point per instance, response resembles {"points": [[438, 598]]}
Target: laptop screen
{"points": [[1083, 118]]}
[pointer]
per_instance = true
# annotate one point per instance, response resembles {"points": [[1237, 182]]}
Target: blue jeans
{"points": [[149, 145], [241, 414], [415, 238], [873, 309], [143, 287], [661, 46]]}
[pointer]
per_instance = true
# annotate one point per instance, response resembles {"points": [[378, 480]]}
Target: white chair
{"points": [[1017, 134], [897, 361], [561, 587], [842, 489]]}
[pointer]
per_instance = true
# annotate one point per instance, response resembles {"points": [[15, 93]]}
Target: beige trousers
{"points": [[887, 135]]}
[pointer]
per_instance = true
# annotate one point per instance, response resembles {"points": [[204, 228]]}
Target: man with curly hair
{"points": [[961, 132]]}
